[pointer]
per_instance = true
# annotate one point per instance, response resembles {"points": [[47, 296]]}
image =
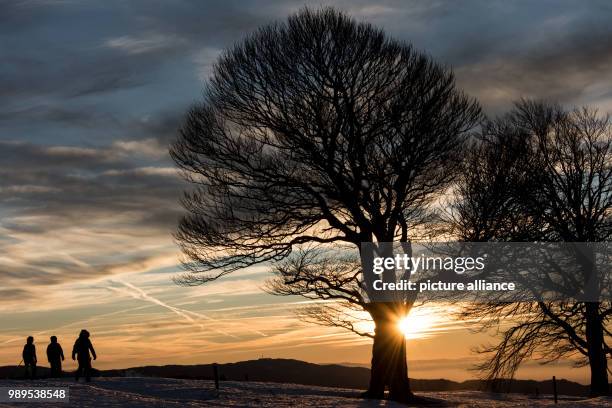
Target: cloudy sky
{"points": [[93, 92]]}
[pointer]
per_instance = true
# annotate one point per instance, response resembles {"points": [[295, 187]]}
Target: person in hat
{"points": [[81, 349]]}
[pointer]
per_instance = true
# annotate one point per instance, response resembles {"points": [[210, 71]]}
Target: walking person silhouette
{"points": [[81, 349], [29, 358], [55, 356]]}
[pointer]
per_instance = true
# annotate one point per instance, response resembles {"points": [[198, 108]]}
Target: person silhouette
{"points": [[29, 358], [55, 356], [81, 349]]}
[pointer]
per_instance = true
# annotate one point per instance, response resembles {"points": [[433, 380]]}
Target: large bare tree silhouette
{"points": [[541, 173], [317, 131]]}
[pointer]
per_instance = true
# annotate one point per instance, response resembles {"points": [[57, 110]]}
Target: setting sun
{"points": [[423, 322], [420, 323], [404, 326], [415, 326]]}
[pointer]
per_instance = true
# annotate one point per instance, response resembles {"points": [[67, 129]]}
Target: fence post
{"points": [[216, 375], [555, 388]]}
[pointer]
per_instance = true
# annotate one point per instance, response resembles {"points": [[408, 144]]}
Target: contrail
{"points": [[210, 318], [138, 293]]}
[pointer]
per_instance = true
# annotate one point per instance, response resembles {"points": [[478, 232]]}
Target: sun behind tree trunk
{"points": [[389, 364]]}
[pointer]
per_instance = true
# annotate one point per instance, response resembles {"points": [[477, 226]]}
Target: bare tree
{"points": [[542, 174], [319, 130]]}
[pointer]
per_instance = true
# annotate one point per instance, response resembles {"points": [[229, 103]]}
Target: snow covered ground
{"points": [[166, 392]]}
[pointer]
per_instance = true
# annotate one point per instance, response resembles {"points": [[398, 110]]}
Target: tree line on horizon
{"points": [[320, 131]]}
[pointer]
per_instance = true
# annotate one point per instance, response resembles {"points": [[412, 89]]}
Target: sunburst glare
{"points": [[424, 322]]}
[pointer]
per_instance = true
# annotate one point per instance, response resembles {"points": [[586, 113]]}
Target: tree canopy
{"points": [[319, 129]]}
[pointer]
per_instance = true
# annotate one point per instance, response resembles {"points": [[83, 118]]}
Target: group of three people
{"points": [[55, 356]]}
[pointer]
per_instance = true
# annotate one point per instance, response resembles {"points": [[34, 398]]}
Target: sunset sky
{"points": [[92, 94]]}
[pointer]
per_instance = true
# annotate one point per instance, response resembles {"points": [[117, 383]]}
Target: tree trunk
{"points": [[597, 355], [389, 366]]}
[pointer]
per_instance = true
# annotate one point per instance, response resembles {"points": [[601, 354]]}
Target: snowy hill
{"points": [[164, 392], [301, 372]]}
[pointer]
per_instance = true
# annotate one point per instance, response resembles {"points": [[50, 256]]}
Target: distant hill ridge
{"points": [[301, 372]]}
